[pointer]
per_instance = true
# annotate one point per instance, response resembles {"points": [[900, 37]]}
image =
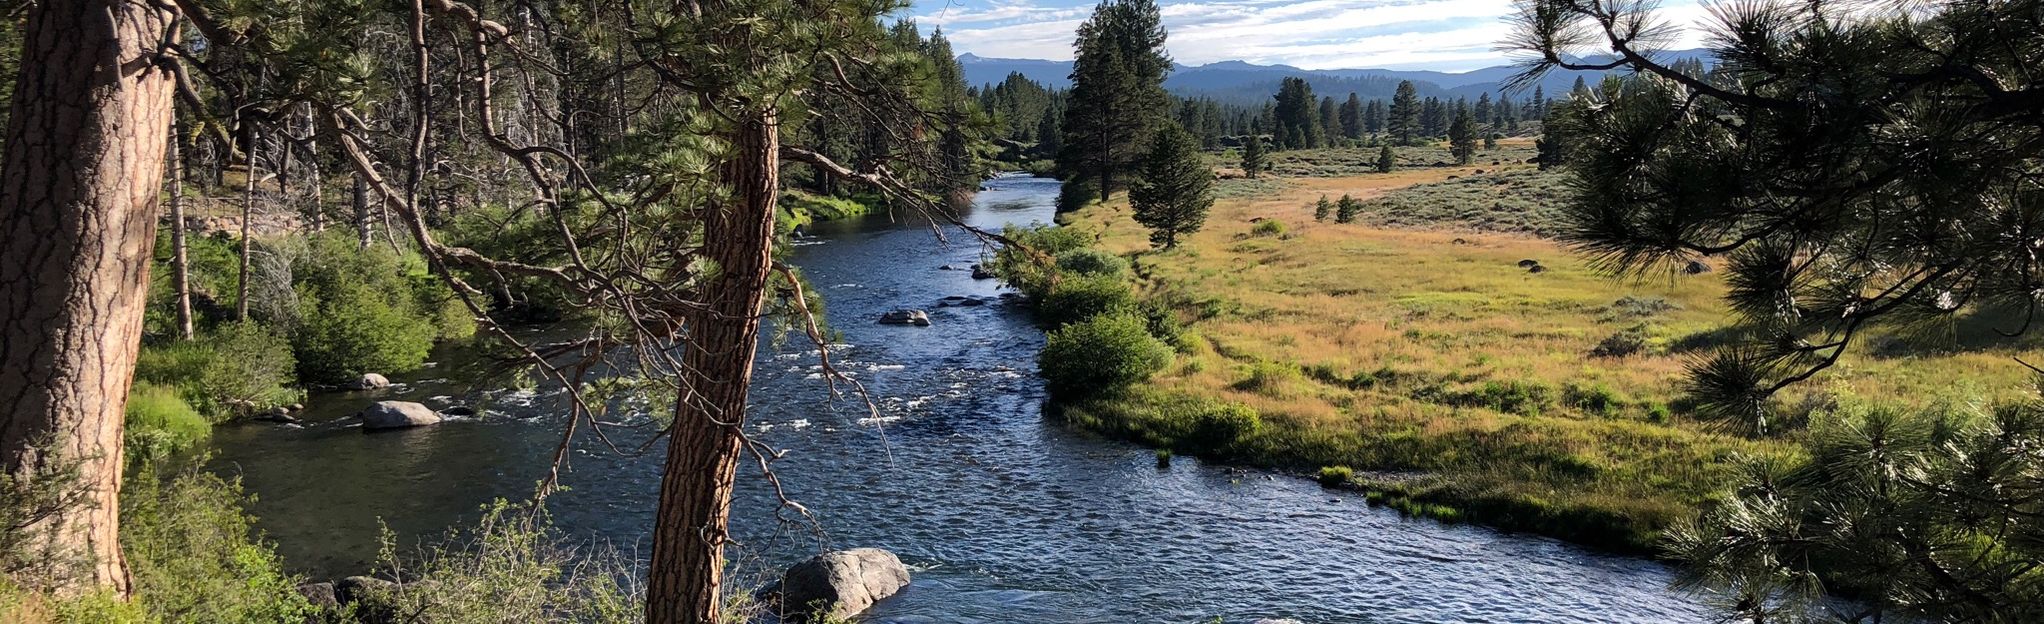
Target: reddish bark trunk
{"points": [[79, 190], [684, 585]]}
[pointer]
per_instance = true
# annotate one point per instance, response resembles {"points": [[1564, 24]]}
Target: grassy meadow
{"points": [[1412, 347]]}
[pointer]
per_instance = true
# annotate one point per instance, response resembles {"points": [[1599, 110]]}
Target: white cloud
{"points": [[1449, 35]]}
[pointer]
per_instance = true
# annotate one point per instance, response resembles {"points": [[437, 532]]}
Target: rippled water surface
{"points": [[1005, 517]]}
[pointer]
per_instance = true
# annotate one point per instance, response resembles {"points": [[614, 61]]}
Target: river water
{"points": [[1003, 516]]}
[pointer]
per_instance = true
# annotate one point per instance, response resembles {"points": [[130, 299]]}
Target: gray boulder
{"points": [[1696, 267], [371, 381], [840, 584], [320, 595], [371, 597], [917, 318], [397, 415]]}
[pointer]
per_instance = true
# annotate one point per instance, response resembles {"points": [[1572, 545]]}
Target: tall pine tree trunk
{"points": [[364, 228], [686, 578], [247, 214], [180, 263], [79, 187]]}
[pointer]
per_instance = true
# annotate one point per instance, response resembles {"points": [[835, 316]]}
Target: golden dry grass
{"points": [[1431, 350]]}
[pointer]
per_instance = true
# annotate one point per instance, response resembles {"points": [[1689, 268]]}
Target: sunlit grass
{"points": [[1429, 349]]}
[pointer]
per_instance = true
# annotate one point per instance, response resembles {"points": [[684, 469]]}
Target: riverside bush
{"points": [[1336, 476], [367, 310], [1104, 352], [1073, 299], [1091, 262], [235, 369], [159, 422], [195, 556], [512, 566], [1024, 270]]}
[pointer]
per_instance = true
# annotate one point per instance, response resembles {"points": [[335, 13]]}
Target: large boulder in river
{"points": [[371, 381], [397, 415], [917, 318], [840, 584]]}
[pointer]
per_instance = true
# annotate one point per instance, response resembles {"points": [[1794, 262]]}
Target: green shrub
{"points": [[1272, 379], [1100, 353], [1076, 194], [1073, 299], [1625, 342], [1268, 227], [1336, 476], [367, 310], [195, 556], [159, 422], [234, 370], [351, 330], [512, 566], [1218, 426], [1025, 270], [1091, 262]]}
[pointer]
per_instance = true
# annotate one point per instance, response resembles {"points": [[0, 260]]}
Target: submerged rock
{"points": [[458, 411], [840, 584], [917, 318], [397, 415], [981, 272]]}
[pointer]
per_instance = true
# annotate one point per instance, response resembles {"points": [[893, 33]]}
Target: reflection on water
{"points": [[1005, 517]]}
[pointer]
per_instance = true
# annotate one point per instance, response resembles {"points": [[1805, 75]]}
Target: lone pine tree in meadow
{"points": [[1255, 159], [1386, 160], [1462, 136], [1345, 211], [1402, 121], [1175, 190], [1322, 208]]}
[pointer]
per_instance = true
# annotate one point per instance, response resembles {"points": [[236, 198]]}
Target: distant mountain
{"points": [[1237, 81]]}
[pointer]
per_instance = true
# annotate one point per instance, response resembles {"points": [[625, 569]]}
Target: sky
{"points": [[1444, 35]]}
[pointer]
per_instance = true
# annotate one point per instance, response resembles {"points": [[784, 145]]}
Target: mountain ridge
{"points": [[1245, 82]]}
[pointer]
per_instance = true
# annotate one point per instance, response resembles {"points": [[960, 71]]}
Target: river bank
{"points": [[1002, 515], [1413, 350]]}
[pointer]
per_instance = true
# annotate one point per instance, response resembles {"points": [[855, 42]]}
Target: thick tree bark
{"points": [[685, 582], [180, 263], [78, 200]]}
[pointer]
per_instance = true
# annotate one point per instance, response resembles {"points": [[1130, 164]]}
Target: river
{"points": [[1003, 516]]}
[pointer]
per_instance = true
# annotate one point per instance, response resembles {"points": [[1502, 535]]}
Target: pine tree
{"points": [[1860, 173], [1374, 117], [1346, 210], [1322, 208], [1117, 99], [1352, 117], [1462, 136], [1296, 115], [1402, 122], [1175, 190], [1386, 160], [1254, 159], [1330, 122]]}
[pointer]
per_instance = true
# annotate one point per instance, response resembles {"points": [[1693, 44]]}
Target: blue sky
{"points": [[1447, 35]]}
